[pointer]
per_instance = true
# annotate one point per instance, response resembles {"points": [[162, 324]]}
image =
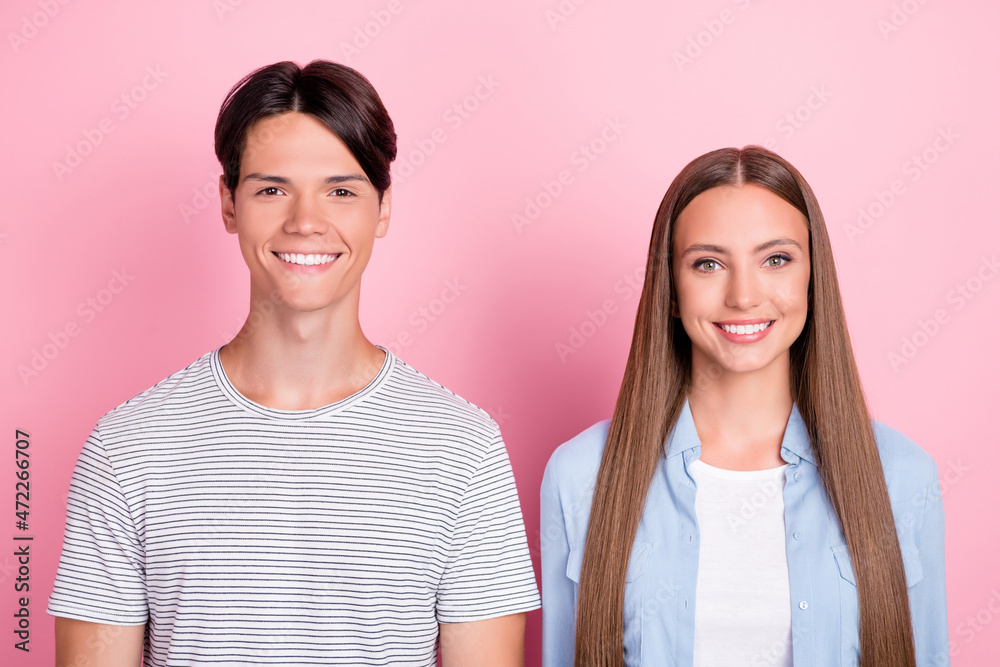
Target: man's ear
{"points": [[228, 206], [384, 209]]}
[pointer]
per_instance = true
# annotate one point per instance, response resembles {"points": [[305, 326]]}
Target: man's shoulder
{"points": [[188, 386], [411, 391]]}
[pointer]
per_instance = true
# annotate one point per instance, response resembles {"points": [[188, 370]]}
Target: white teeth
{"points": [[745, 329], [305, 260]]}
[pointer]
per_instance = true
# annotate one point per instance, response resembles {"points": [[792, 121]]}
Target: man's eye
{"points": [[270, 191], [342, 192]]}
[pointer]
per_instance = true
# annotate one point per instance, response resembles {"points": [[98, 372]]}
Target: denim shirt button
{"points": [[797, 535], [797, 476], [803, 605]]}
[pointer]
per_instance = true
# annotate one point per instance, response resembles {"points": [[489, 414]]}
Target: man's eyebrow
{"points": [[267, 178], [708, 247], [346, 178], [281, 180]]}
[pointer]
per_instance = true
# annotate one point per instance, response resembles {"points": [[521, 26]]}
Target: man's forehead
{"points": [[295, 144], [287, 126]]}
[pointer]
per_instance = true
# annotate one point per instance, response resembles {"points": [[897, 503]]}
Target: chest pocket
{"points": [[634, 593], [911, 564], [849, 616]]}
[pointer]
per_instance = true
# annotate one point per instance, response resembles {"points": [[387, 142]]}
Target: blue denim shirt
{"points": [[663, 568]]}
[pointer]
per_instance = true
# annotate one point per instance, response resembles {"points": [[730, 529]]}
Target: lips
{"points": [[307, 259], [746, 328], [744, 331]]}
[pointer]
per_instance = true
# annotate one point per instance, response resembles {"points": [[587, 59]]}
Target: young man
{"points": [[300, 496]]}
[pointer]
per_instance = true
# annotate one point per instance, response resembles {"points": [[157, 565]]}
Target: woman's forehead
{"points": [[739, 217]]}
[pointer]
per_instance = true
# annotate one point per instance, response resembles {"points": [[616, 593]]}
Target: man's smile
{"points": [[306, 260]]}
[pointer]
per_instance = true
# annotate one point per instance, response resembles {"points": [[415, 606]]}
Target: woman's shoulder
{"points": [[579, 457], [900, 454]]}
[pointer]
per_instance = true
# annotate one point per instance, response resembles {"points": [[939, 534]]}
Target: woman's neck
{"points": [[741, 417]]}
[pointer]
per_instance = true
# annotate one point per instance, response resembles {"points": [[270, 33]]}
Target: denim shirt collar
{"points": [[795, 443]]}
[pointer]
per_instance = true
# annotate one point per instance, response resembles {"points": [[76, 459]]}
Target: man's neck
{"points": [[300, 360]]}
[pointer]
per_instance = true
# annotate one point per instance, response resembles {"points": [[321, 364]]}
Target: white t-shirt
{"points": [[248, 535], [742, 604]]}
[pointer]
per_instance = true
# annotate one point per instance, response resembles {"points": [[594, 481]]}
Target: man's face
{"points": [[305, 214]]}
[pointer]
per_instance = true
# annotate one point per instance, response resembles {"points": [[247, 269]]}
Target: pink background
{"points": [[853, 93]]}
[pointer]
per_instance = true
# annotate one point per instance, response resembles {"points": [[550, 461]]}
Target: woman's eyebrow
{"points": [[705, 247], [775, 242], [719, 250]]}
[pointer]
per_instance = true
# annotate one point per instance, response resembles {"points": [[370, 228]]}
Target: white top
{"points": [[248, 535], [742, 603]]}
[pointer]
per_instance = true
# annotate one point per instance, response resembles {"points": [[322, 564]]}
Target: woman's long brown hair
{"points": [[824, 384]]}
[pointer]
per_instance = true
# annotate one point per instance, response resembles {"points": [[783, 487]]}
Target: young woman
{"points": [[740, 507]]}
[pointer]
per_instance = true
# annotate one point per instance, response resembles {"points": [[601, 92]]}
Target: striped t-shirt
{"points": [[242, 534]]}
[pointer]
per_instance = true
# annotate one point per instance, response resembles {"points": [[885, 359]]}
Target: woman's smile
{"points": [[744, 331]]}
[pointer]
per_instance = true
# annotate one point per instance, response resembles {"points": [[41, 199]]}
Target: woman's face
{"points": [[741, 274]]}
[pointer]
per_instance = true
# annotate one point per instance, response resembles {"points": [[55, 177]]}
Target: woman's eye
{"points": [[778, 260], [706, 265]]}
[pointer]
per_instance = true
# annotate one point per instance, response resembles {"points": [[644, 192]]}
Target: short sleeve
{"points": [[489, 571], [101, 573]]}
